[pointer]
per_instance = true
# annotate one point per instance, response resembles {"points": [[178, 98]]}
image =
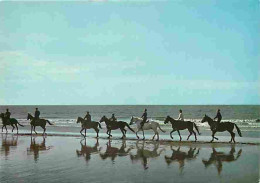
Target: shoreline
{"points": [[161, 141]]}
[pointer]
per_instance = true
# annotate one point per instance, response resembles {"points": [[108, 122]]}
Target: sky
{"points": [[129, 52]]}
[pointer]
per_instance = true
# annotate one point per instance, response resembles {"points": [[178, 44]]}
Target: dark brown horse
{"points": [[113, 125], [217, 158], [88, 125], [39, 122], [11, 122], [224, 126], [182, 125]]}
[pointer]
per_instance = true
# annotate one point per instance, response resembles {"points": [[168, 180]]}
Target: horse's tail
{"points": [[49, 122], [160, 128], [20, 124], [99, 125], [196, 128], [238, 130], [129, 127]]}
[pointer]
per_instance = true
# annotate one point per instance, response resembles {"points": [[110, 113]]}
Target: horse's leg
{"points": [[213, 133], [13, 127], [16, 127], [31, 129], [81, 132], [85, 132], [143, 133], [44, 129], [2, 128], [195, 135], [6, 129], [34, 129], [171, 133], [153, 136], [157, 136], [189, 135], [179, 134], [122, 133], [97, 131], [137, 132]]}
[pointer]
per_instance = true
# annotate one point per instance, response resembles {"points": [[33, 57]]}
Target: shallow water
{"points": [[74, 159]]}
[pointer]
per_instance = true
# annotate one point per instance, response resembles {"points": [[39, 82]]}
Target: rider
{"points": [[219, 117], [113, 118], [88, 117], [7, 115], [181, 117], [37, 114], [144, 116]]}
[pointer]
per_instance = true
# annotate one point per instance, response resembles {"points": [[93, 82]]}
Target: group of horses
{"points": [[177, 125]]}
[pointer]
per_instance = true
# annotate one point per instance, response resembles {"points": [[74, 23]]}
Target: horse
{"points": [[182, 125], [87, 125], [39, 122], [221, 127], [147, 126], [113, 125], [11, 122]]}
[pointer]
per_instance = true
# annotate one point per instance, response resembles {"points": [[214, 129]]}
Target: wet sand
{"points": [[74, 159]]}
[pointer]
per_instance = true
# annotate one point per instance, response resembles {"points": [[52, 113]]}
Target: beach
{"points": [[64, 155], [26, 158]]}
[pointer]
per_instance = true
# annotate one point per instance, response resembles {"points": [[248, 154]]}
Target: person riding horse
{"points": [[144, 116], [181, 117], [218, 117], [36, 115], [7, 116], [88, 117], [113, 118]]}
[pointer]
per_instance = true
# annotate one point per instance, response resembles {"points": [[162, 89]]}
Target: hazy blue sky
{"points": [[130, 52]]}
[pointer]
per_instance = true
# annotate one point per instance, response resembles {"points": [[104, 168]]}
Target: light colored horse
{"points": [[151, 125]]}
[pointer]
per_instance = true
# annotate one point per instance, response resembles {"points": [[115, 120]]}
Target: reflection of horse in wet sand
{"points": [[35, 148], [11, 122], [180, 156], [217, 158], [113, 152], [143, 154], [86, 151], [39, 122], [8, 143]]}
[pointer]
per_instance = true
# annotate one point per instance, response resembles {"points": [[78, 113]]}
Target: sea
{"points": [[64, 116]]}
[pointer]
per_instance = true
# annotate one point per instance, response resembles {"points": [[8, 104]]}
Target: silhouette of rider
{"points": [[218, 117], [7, 115], [181, 117], [37, 114], [88, 117], [113, 118], [144, 116]]}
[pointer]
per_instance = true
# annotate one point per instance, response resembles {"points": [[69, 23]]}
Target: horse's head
{"points": [[132, 120], [78, 119], [167, 119], [204, 119], [29, 116], [103, 119], [2, 115]]}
